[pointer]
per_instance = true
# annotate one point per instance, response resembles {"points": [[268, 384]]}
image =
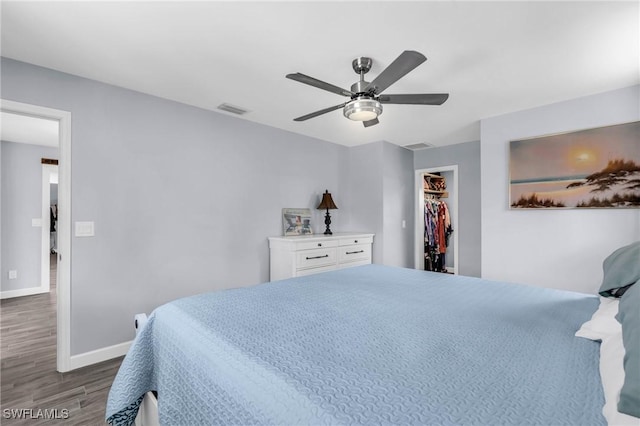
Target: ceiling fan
{"points": [[366, 98]]}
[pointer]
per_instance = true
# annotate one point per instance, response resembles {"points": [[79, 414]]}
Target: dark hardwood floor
{"points": [[28, 376]]}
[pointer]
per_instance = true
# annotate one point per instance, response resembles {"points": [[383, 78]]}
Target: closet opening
{"points": [[436, 238]]}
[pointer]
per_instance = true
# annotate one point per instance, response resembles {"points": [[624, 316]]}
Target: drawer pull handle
{"points": [[319, 244], [317, 257], [355, 241], [354, 252]]}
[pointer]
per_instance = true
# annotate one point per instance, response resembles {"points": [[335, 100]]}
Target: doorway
{"points": [[450, 174], [63, 231]]}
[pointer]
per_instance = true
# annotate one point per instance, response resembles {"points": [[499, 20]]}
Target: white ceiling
{"points": [[492, 57], [26, 129]]}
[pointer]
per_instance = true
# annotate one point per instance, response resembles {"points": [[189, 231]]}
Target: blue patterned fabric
{"points": [[368, 345]]}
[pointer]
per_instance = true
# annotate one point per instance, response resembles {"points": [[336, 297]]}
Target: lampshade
{"points": [[327, 202], [362, 109]]}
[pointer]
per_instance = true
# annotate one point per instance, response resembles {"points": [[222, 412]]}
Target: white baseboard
{"points": [[22, 292], [99, 355]]}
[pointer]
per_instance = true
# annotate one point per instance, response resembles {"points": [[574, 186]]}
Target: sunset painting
{"points": [[594, 168]]}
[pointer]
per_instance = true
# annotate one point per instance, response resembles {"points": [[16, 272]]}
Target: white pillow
{"points": [[603, 322], [612, 376], [604, 326]]}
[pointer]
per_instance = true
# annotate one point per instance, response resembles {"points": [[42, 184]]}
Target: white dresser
{"points": [[310, 254]]}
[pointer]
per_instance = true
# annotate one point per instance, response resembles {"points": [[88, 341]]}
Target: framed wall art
{"points": [[592, 168], [296, 222]]}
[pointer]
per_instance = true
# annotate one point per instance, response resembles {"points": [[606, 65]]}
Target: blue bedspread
{"points": [[367, 345]]}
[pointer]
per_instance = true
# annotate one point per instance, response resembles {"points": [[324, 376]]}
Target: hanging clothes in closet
{"points": [[437, 230]]}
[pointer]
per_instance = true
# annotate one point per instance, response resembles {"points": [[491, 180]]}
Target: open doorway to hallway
{"points": [[37, 223]]}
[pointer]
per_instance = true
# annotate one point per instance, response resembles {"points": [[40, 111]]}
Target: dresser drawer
{"points": [[354, 252], [355, 240], [311, 271], [314, 258], [308, 245]]}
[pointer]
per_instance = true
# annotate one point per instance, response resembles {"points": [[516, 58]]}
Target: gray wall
{"points": [[365, 196], [398, 205], [183, 199], [21, 193], [380, 190], [558, 248], [467, 157]]}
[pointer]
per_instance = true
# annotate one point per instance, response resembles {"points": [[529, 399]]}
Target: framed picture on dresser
{"points": [[296, 222]]}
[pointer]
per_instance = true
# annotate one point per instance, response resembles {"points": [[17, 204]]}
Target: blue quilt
{"points": [[367, 345]]}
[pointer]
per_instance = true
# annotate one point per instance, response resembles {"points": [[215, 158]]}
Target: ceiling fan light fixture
{"points": [[362, 109]]}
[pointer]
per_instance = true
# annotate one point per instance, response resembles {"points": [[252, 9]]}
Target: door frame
{"points": [[452, 202], [63, 308]]}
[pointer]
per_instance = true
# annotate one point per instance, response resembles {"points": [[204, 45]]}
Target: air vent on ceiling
{"points": [[232, 109], [420, 145]]}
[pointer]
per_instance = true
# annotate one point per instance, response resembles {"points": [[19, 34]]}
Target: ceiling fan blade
{"points": [[403, 64], [370, 122], [317, 113], [415, 99], [319, 84]]}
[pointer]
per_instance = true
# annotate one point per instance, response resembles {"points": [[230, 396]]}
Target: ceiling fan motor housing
{"points": [[358, 87]]}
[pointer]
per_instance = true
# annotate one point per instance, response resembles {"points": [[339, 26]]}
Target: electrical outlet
{"points": [[13, 274]]}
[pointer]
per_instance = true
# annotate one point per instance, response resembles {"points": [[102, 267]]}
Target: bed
{"points": [[367, 345]]}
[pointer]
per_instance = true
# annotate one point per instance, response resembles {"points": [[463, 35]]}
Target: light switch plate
{"points": [[84, 229]]}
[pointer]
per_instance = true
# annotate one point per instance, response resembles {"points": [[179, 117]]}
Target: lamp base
{"points": [[327, 221]]}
